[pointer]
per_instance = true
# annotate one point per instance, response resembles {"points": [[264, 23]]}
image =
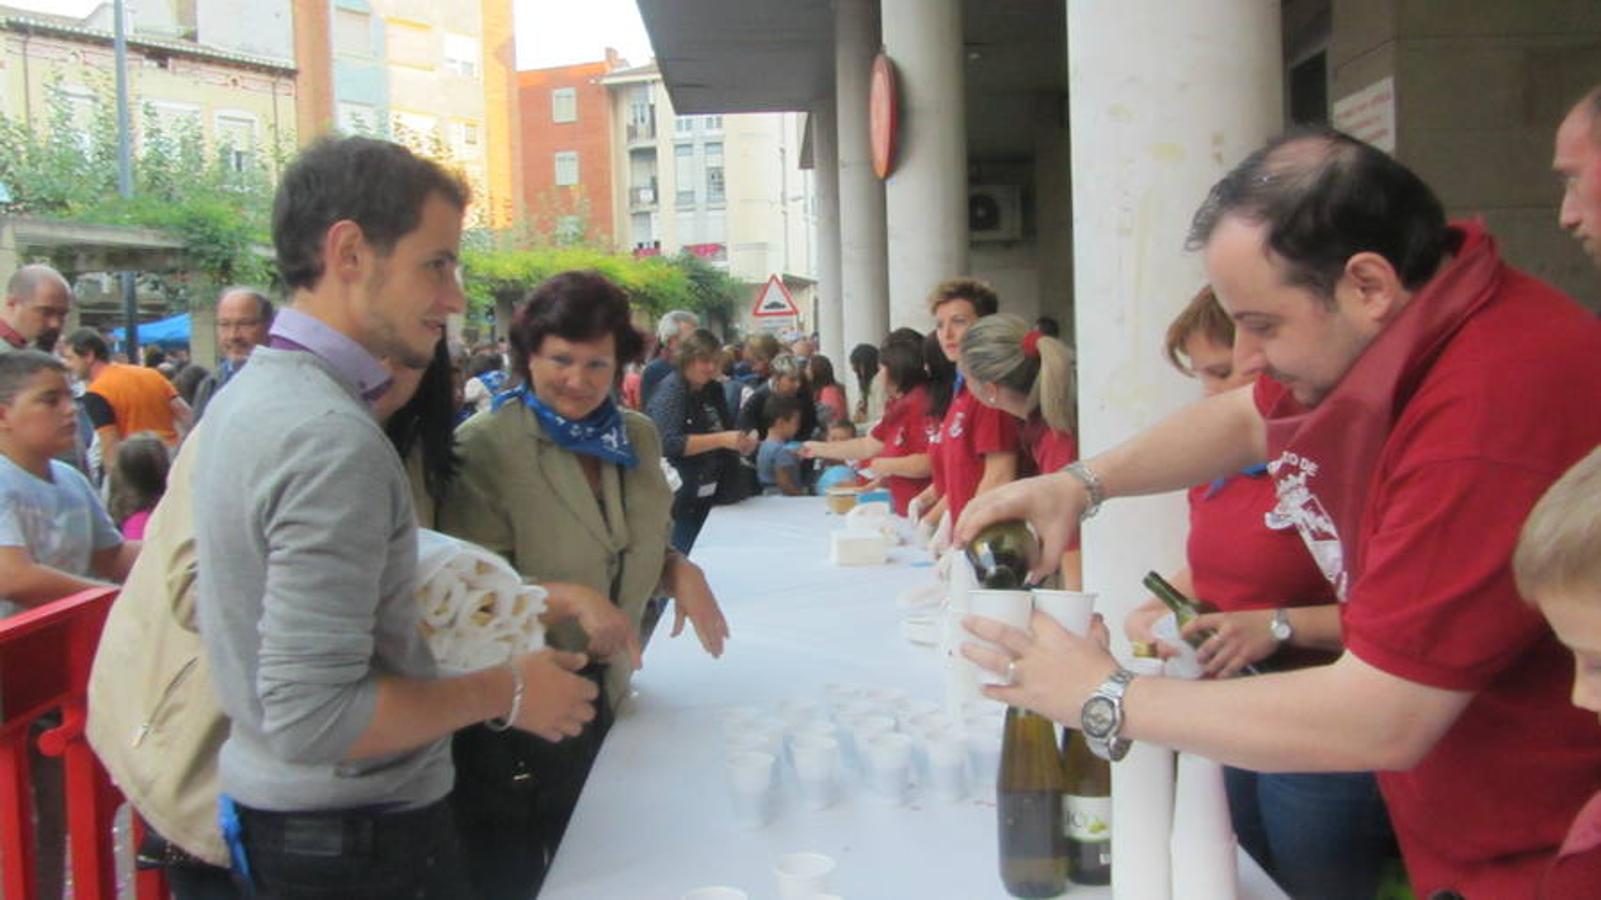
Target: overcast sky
{"points": [[549, 32]]}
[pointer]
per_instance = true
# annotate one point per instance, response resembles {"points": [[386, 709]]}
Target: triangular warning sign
{"points": [[774, 302]]}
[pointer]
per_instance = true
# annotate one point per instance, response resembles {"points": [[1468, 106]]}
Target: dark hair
{"points": [[188, 379], [483, 361], [574, 306], [19, 366], [1047, 325], [983, 297], [138, 475], [154, 356], [941, 375], [819, 371], [428, 419], [778, 407], [381, 186], [85, 341], [698, 344], [1324, 197], [903, 365], [864, 362]]}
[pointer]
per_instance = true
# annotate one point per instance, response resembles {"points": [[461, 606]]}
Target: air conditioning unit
{"points": [[995, 212]]}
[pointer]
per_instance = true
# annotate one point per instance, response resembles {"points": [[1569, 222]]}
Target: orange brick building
{"points": [[566, 121]]}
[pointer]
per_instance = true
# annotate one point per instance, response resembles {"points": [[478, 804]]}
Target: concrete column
{"points": [[825, 171], [1053, 210], [1164, 99], [926, 197], [864, 274]]}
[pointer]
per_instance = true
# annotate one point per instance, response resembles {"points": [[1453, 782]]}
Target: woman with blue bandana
{"points": [[569, 487]]}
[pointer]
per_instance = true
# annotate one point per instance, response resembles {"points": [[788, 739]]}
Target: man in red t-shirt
{"points": [[1420, 395]]}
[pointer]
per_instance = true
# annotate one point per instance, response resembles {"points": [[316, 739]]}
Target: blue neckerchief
{"points": [[960, 380], [495, 381], [1249, 471], [600, 434]]}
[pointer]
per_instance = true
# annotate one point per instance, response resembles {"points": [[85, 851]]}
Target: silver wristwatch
{"points": [[1280, 626], [1102, 717], [1092, 486]]}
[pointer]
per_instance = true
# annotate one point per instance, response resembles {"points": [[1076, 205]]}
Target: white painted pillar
{"points": [[830, 302], [1164, 99], [926, 196], [864, 279], [1053, 210]]}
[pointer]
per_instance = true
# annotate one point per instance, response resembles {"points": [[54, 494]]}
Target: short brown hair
{"points": [[983, 297], [1559, 549], [1203, 315]]}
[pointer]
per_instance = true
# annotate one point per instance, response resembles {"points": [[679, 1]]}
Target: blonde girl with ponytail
{"points": [[1013, 367]]}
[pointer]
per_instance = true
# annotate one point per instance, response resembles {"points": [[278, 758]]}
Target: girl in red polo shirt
{"points": [[976, 447], [897, 447], [1319, 835], [1016, 369]]}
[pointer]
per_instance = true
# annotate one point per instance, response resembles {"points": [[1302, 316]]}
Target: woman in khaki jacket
{"points": [[568, 487]]}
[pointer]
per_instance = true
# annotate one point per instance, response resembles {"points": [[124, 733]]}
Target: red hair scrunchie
{"points": [[1031, 344]]}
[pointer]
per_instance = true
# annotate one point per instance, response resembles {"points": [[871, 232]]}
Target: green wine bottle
{"points": [[1028, 794], [1000, 555], [1184, 609], [1086, 811]]}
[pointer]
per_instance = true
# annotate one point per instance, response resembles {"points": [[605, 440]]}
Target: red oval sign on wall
{"points": [[884, 115]]}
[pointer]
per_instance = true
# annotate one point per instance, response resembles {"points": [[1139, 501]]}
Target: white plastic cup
{"points": [[797, 711], [1071, 609], [817, 769], [863, 729], [947, 764], [716, 892], [910, 710], [803, 876], [983, 756], [751, 781], [1007, 607], [888, 760]]}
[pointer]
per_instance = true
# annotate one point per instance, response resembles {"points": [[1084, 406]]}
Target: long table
{"points": [[655, 820]]}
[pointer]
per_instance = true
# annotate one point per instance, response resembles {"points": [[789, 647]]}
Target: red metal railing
{"points": [[45, 657]]}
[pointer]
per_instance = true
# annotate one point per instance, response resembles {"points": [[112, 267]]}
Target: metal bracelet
{"points": [[501, 723], [1092, 486]]}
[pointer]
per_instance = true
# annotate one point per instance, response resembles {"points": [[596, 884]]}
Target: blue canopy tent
{"points": [[172, 331]]}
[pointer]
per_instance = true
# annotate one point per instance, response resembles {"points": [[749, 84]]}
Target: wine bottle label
{"points": [[1087, 819]]}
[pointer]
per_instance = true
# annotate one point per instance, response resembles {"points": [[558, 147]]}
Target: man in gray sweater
{"points": [[337, 766]]}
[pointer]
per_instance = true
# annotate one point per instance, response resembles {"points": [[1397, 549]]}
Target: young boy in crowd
{"points": [[54, 532], [777, 466], [841, 430], [1558, 569]]}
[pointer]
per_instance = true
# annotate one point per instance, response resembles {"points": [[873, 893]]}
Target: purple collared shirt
{"points": [[294, 330]]}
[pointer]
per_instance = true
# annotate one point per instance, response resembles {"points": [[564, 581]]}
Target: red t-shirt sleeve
{"points": [[993, 431], [1436, 603], [885, 429], [1054, 449]]}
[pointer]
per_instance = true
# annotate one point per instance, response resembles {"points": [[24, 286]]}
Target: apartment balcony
{"points": [[638, 132], [643, 196]]}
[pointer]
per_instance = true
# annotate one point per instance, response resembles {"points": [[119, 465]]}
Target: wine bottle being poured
{"points": [[1000, 554]]}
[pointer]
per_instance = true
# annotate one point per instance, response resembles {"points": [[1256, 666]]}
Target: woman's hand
{"points": [[742, 442], [693, 600], [1139, 622], [1238, 640], [811, 450], [609, 629], [1053, 671]]}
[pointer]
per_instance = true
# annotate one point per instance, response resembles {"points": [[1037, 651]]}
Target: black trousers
{"points": [[514, 796], [355, 855]]}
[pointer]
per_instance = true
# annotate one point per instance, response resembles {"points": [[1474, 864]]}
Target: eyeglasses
{"points": [[231, 324], [563, 363]]}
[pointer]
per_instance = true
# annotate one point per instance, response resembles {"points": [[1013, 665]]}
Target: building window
{"points": [[564, 105], [236, 139], [176, 119], [352, 33], [715, 192], [464, 138], [411, 45], [684, 174], [357, 118], [684, 125], [566, 168], [461, 55], [81, 104], [569, 229], [714, 123]]}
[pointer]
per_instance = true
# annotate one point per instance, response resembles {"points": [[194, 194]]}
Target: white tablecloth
{"points": [[654, 820]]}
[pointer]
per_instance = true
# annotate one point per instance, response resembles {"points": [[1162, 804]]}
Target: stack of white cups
{"points": [[1142, 814]]}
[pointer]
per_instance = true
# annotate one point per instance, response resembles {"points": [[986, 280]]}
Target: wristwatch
{"points": [[1280, 626], [1092, 487], [1102, 717]]}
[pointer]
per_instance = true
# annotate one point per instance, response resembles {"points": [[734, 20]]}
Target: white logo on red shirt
{"points": [[1299, 507]]}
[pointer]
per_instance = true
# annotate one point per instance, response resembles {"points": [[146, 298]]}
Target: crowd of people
{"points": [[1386, 401]]}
